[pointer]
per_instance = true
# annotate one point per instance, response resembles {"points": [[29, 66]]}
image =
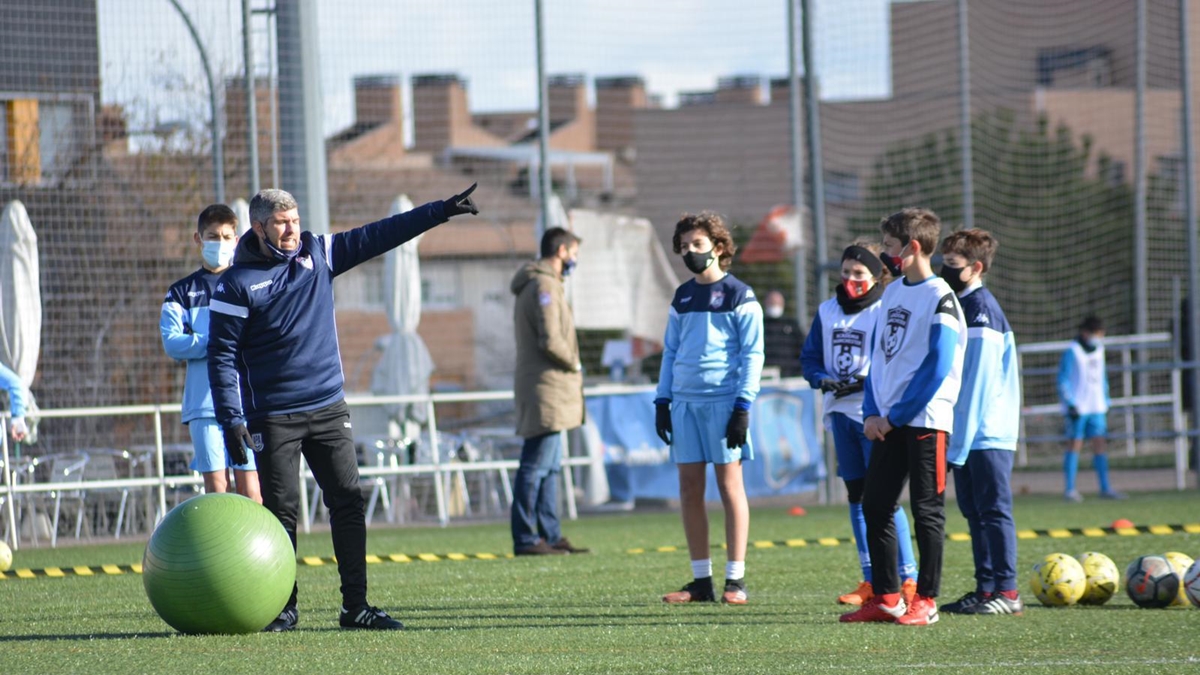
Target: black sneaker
{"points": [[699, 590], [963, 604], [286, 621], [998, 604], [369, 617], [735, 592]]}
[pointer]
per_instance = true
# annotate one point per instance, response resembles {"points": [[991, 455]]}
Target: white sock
{"points": [[735, 569], [702, 569]]}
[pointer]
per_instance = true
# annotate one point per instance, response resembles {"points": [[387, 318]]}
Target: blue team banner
{"points": [[785, 432]]}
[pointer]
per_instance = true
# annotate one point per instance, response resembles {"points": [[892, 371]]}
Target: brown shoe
{"points": [[565, 545], [540, 548]]}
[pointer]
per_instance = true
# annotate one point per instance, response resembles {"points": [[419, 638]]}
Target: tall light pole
{"points": [[215, 127]]}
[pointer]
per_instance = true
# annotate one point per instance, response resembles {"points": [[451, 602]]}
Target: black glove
{"points": [[461, 203], [735, 431], [830, 385], [237, 440], [851, 387], [662, 422], [1072, 412]]}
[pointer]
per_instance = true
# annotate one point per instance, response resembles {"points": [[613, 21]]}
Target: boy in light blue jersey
{"points": [[18, 429], [184, 327], [1083, 390], [836, 359], [712, 361], [987, 421]]}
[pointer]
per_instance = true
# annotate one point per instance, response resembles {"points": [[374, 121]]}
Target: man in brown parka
{"points": [[548, 389]]}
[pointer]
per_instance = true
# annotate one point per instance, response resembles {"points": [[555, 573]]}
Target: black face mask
{"points": [[953, 277], [698, 262]]}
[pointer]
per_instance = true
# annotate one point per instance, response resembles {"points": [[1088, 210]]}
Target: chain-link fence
{"points": [[122, 119]]}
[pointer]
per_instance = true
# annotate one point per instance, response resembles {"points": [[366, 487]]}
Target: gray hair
{"points": [[268, 202]]}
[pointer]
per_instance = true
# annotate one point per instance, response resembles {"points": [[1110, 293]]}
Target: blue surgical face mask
{"points": [[569, 266], [218, 254]]}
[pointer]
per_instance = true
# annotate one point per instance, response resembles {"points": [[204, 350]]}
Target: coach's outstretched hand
{"points": [[237, 440], [461, 203], [735, 431]]}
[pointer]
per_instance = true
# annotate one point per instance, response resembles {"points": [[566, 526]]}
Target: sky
{"points": [[150, 64]]}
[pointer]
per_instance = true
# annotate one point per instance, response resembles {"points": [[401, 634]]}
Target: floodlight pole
{"points": [[251, 97], [215, 127], [543, 119], [797, 152], [1189, 189]]}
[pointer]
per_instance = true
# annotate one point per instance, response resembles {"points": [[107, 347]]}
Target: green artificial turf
{"points": [[601, 612]]}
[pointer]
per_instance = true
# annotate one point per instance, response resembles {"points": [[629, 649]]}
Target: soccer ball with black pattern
{"points": [[1102, 578], [1151, 582]]}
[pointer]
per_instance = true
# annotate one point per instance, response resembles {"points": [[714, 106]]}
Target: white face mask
{"points": [[218, 254], [773, 311]]}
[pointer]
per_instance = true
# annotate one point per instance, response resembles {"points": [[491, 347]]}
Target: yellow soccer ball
{"points": [[1180, 564], [5, 557], [1102, 578], [1058, 581]]}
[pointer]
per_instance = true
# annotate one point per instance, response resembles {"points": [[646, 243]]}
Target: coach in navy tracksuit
{"points": [[276, 373]]}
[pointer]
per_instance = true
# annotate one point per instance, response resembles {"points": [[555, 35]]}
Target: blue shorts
{"points": [[208, 448], [698, 434], [1087, 426], [852, 446]]}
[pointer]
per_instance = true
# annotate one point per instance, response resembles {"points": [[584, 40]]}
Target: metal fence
{"points": [[435, 474], [1060, 125]]}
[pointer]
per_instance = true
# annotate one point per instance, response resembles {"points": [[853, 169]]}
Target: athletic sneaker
{"points": [[998, 604], [1073, 496], [368, 617], [1114, 495], [965, 603], [922, 612], [858, 596], [699, 590], [874, 610], [286, 621], [908, 590], [735, 592]]}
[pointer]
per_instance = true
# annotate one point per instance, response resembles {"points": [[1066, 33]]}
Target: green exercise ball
{"points": [[219, 564]]}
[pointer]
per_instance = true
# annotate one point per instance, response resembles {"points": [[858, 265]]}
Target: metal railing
{"points": [[441, 471]]}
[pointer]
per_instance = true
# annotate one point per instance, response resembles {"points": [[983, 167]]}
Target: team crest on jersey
{"points": [[258, 442], [717, 299], [848, 348], [897, 327], [305, 261]]}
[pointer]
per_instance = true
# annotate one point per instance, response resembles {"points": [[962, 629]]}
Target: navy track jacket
{"points": [[272, 346]]}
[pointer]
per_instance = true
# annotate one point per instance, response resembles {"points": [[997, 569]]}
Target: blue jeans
{"points": [[985, 499], [535, 492]]}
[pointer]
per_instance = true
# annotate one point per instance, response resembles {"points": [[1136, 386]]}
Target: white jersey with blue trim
{"points": [[988, 413], [916, 364], [1082, 381], [839, 347], [713, 347]]}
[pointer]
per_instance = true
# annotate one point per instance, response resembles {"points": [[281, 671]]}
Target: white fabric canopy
{"points": [[20, 293], [406, 365], [624, 280]]}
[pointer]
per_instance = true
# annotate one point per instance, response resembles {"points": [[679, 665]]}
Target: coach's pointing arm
{"points": [[353, 247]]}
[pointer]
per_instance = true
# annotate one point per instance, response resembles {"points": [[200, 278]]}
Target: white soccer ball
{"points": [[1191, 584]]}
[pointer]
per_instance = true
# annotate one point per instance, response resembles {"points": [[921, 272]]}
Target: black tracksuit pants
{"points": [[907, 454], [324, 437]]}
